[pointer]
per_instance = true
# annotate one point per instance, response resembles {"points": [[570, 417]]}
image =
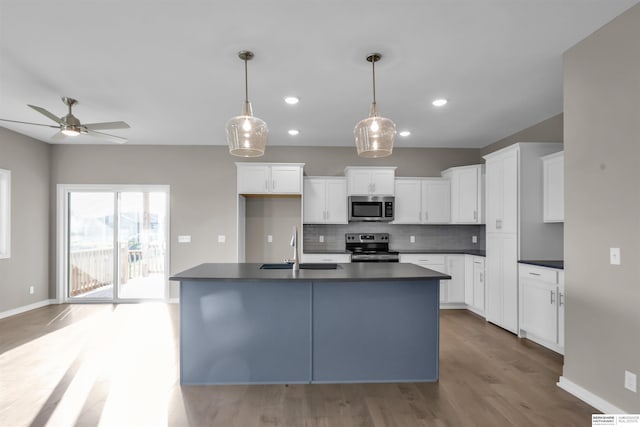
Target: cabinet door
{"points": [[510, 180], [336, 201], [478, 283], [464, 203], [359, 182], [509, 243], [553, 181], [436, 201], [253, 179], [493, 283], [383, 182], [468, 280], [314, 209], [538, 308], [286, 179], [407, 203], [561, 301], [493, 195], [455, 269]]}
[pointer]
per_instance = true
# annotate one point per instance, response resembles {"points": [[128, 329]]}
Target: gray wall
{"points": [[203, 184], [549, 130], [602, 209], [275, 216], [29, 163]]}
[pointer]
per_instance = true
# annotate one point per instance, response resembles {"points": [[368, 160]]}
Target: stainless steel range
{"points": [[370, 247]]}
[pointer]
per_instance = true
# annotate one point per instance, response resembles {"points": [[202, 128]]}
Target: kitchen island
{"points": [[361, 322]]}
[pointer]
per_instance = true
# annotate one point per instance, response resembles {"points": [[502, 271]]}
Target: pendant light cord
{"points": [[246, 82], [373, 66]]}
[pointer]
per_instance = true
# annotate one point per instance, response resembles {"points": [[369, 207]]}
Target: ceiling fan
{"points": [[69, 125]]}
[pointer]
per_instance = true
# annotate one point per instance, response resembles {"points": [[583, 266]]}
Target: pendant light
{"points": [[374, 135], [246, 134]]}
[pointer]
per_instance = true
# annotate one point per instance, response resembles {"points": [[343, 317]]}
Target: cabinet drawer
{"points": [[321, 258], [548, 275], [423, 258]]}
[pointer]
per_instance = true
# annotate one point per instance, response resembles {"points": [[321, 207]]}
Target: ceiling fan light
{"points": [[246, 135], [71, 130]]}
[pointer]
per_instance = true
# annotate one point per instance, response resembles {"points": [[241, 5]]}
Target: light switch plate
{"points": [[614, 255], [630, 381], [184, 239], [269, 238], [412, 239], [222, 238], [474, 239], [321, 239]]}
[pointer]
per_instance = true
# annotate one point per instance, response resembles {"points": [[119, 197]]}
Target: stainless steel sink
{"points": [[304, 266]]}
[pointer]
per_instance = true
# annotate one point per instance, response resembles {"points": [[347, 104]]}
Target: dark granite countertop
{"points": [[476, 252], [559, 264], [364, 271]]}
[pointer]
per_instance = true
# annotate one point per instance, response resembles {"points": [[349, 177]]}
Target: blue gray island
{"points": [[359, 322]]}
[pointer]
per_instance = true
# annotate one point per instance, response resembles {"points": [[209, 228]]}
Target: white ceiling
{"points": [[170, 68]]}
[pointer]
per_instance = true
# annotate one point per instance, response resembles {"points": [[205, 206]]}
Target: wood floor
{"points": [[117, 365]]}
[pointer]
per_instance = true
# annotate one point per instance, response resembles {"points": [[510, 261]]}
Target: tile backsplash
{"points": [[427, 237]]}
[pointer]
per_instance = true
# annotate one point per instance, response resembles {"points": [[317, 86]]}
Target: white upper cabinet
{"points": [[436, 201], [502, 192], [325, 200], [466, 194], [553, 187], [269, 178], [422, 201], [364, 181]]}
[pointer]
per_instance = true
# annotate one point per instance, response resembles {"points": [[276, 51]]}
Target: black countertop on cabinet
{"points": [[364, 271], [559, 264]]}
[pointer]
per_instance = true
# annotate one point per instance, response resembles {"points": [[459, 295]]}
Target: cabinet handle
{"points": [[534, 274], [266, 184], [426, 215], [374, 187], [273, 183], [552, 294], [481, 277], [326, 215], [560, 299], [498, 224], [475, 215]]}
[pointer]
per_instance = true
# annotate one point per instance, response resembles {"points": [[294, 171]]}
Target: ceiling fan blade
{"points": [[29, 123], [48, 114], [117, 139], [107, 125]]}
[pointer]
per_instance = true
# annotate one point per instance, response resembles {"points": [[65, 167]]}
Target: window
{"points": [[5, 213]]}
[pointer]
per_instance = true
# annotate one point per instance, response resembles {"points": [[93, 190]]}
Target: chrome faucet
{"points": [[294, 244]]}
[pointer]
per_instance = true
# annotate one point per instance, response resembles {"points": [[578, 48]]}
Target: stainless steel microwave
{"points": [[371, 208]]}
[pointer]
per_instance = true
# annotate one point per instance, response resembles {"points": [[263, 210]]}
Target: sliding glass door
{"points": [[116, 243]]}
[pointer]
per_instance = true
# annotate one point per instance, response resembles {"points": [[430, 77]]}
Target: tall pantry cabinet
{"points": [[515, 229]]}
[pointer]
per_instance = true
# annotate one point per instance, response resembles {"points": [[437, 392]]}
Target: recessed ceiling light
{"points": [[293, 132], [405, 133], [292, 100], [439, 102]]}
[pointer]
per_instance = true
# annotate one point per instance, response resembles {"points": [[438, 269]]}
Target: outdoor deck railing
{"points": [[93, 268]]}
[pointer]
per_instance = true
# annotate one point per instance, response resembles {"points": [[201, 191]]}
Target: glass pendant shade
{"points": [[246, 134], [375, 135]]}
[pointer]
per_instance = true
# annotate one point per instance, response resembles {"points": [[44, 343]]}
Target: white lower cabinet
{"points": [[542, 306], [474, 283], [451, 291], [501, 304], [328, 257]]}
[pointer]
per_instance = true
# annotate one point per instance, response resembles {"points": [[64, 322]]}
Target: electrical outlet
{"points": [[32, 289], [630, 381], [269, 238], [474, 239], [614, 255], [321, 239], [222, 238], [412, 239]]}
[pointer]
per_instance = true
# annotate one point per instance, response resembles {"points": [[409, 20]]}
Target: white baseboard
{"points": [[588, 397], [29, 307]]}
